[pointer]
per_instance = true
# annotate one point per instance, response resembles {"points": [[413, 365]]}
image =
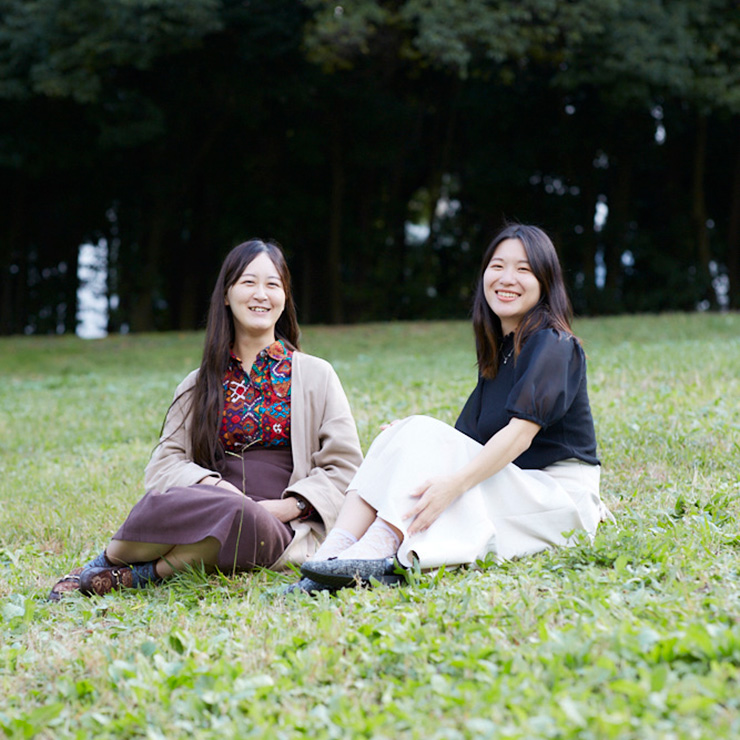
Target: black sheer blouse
{"points": [[546, 384]]}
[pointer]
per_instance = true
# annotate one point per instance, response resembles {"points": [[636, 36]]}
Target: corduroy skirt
{"points": [[249, 535]]}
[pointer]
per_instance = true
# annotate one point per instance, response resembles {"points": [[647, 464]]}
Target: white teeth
{"points": [[504, 294], [259, 310]]}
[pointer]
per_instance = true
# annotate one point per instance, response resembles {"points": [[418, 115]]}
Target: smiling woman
{"points": [[256, 450], [256, 300], [510, 287], [517, 474]]}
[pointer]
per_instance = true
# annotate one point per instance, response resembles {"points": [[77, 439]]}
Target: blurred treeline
{"points": [[173, 129]]}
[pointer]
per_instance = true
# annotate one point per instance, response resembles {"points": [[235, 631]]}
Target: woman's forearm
{"points": [[503, 448]]}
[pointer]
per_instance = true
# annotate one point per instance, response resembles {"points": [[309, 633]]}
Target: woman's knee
{"points": [[126, 551], [203, 553]]}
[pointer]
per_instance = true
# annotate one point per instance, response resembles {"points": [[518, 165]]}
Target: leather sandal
{"points": [[100, 581], [66, 585]]}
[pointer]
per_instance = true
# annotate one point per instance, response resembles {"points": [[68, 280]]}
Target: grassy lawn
{"points": [[634, 636]]}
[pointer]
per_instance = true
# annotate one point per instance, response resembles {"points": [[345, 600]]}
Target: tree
{"points": [[176, 129]]}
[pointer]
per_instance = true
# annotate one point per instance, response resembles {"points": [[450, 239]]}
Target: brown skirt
{"points": [[249, 535]]}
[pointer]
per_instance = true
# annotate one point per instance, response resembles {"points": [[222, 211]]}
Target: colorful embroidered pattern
{"points": [[257, 406]]}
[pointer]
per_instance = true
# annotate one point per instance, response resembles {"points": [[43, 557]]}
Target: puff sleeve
{"points": [[549, 374]]}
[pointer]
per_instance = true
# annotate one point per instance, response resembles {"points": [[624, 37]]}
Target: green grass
{"points": [[634, 636]]}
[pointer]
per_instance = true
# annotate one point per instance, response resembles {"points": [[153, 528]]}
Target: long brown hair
{"points": [[553, 310], [208, 391]]}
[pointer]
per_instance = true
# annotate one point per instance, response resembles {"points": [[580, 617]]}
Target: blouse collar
{"points": [[274, 357], [276, 351]]}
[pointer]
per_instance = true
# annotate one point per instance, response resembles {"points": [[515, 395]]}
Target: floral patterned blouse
{"points": [[257, 405]]}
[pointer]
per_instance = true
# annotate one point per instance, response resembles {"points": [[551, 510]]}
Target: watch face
{"points": [[300, 504]]}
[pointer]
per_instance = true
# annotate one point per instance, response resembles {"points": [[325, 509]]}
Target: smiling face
{"points": [[257, 299], [510, 287]]}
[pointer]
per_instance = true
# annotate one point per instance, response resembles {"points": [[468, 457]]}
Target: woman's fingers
{"points": [[424, 519], [423, 512], [434, 496], [420, 489], [416, 493], [411, 513]]}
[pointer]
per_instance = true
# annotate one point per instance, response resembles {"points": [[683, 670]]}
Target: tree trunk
{"points": [[733, 234], [335, 226], [188, 317], [699, 202], [142, 303], [6, 289], [618, 227], [306, 283], [13, 287]]}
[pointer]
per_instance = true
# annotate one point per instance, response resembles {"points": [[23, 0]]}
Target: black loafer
{"points": [[306, 586], [338, 573]]}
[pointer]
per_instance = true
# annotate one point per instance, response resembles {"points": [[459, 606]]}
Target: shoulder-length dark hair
{"points": [[208, 392], [553, 310]]}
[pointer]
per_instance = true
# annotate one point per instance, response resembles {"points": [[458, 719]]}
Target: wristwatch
{"points": [[305, 510]]}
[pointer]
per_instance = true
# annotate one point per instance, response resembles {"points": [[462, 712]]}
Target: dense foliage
{"points": [[173, 129]]}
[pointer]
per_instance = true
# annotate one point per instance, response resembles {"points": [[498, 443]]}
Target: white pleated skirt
{"points": [[513, 513]]}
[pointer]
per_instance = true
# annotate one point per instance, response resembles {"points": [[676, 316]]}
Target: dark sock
{"points": [[145, 574], [99, 561]]}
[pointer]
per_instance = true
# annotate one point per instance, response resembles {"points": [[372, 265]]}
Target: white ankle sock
{"points": [[380, 541], [336, 542]]}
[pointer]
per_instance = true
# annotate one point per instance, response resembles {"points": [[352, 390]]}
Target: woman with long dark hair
{"points": [[256, 450], [519, 471]]}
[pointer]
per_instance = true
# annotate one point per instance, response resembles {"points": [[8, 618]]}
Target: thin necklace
{"points": [[507, 356]]}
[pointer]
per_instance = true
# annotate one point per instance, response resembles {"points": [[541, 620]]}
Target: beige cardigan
{"points": [[323, 436]]}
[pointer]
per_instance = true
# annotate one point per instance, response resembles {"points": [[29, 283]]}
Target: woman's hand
{"points": [[434, 495], [284, 509]]}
